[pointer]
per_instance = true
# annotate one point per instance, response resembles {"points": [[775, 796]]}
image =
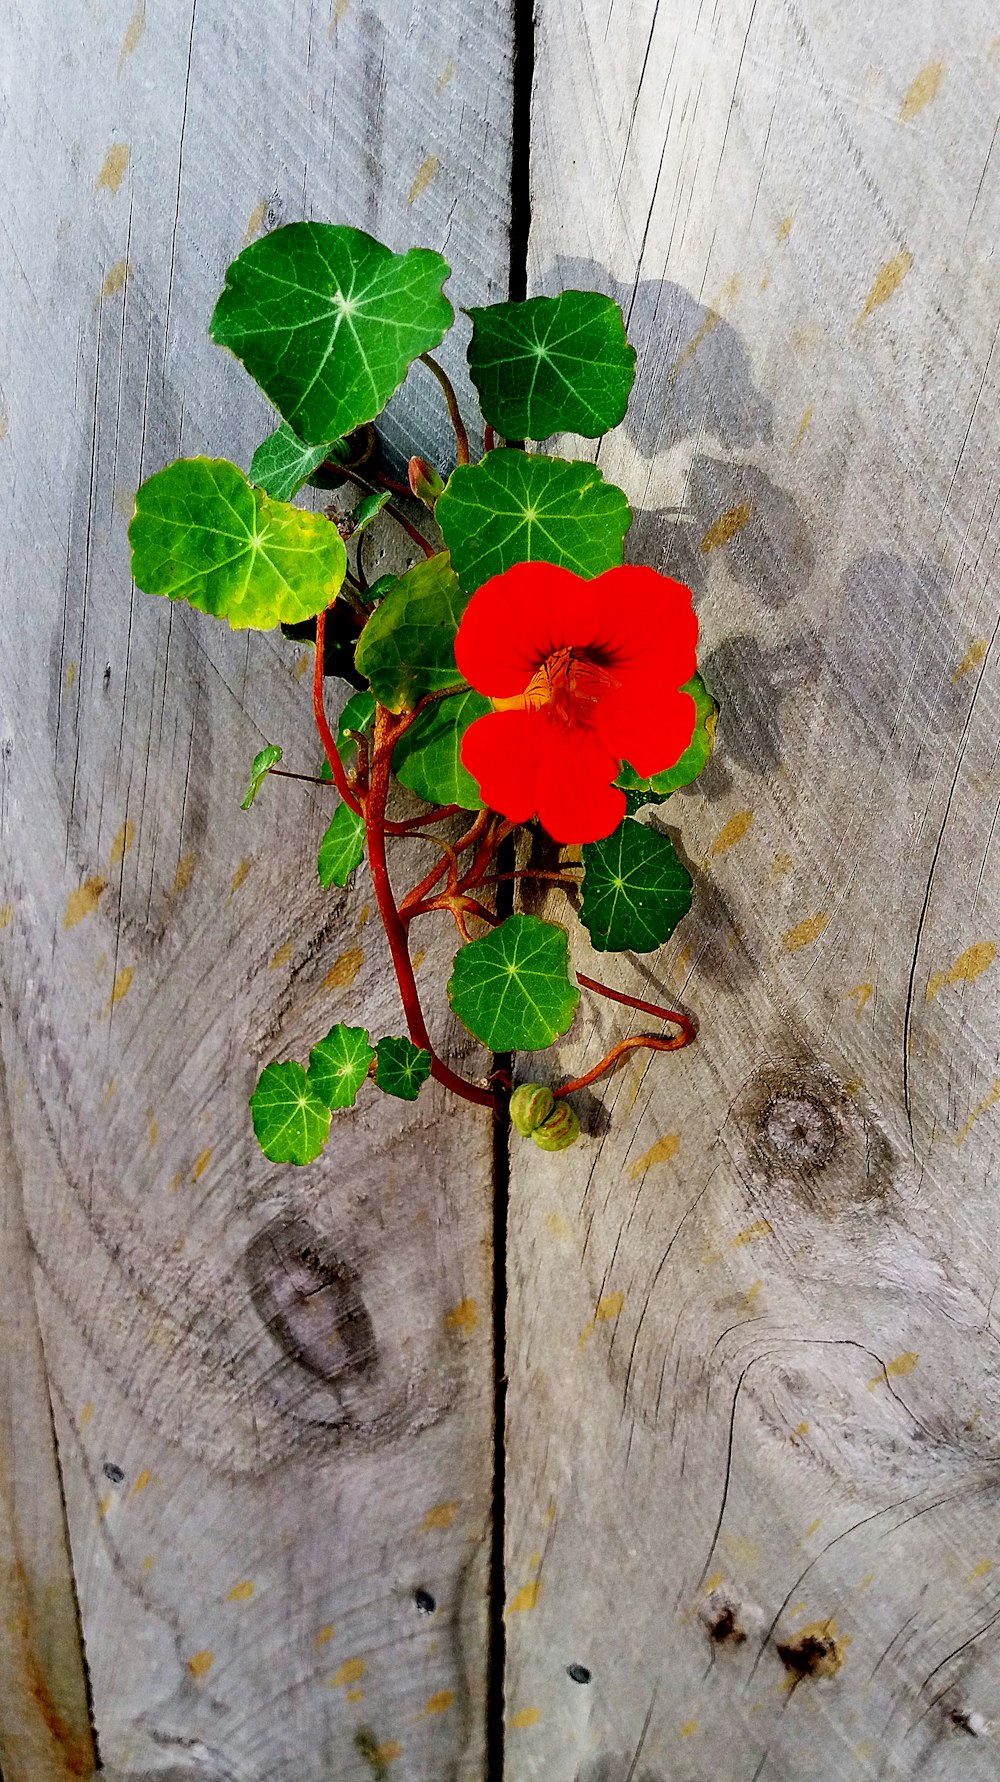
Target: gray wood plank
{"points": [[755, 1420], [272, 1389]]}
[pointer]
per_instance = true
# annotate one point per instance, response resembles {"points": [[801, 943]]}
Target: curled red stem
{"points": [[455, 413], [326, 734], [626, 1045]]}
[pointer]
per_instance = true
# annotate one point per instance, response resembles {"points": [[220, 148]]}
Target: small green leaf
{"points": [[524, 507], [639, 792], [260, 767], [283, 462], [401, 1068], [551, 365], [512, 989], [342, 847], [289, 1118], [380, 589], [407, 648], [328, 322], [339, 1064], [202, 533], [367, 510], [635, 889], [427, 758]]}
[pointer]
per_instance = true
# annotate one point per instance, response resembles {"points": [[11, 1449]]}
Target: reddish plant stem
{"points": [[391, 921], [626, 1045], [686, 1034], [438, 870], [529, 872], [489, 439], [455, 413], [418, 538], [326, 734]]}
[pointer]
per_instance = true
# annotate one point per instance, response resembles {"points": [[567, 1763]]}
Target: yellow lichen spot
{"points": [[145, 1478], [969, 966], [807, 415], [464, 1316], [765, 280], [70, 676], [447, 74], [886, 284], [105, 1505], [760, 1228], [133, 34], [440, 1516], [351, 1671], [439, 1702], [988, 1101], [731, 833], [113, 169], [339, 9], [84, 901], [558, 1226], [110, 1092], [980, 1571], [526, 1717], [800, 1429], [526, 1598], [177, 1181], [921, 91], [240, 874], [828, 1654], [744, 1551], [994, 46], [423, 176], [868, 1579], [324, 1636], [804, 339], [255, 222], [811, 1530], [751, 1293], [241, 1593], [388, 1751], [729, 293], [182, 877], [200, 1663], [6, 914], [785, 228], [418, 958], [149, 1562], [607, 1308], [864, 1749], [726, 526], [344, 969], [354, 1695], [124, 839], [804, 933], [363, 915], [689, 1729], [120, 988], [114, 280], [862, 992], [903, 1364], [975, 654], [85, 1414], [282, 955], [664, 1148], [202, 1164], [713, 1582]]}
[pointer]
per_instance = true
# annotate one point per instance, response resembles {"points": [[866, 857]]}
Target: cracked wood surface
{"points": [[754, 1441], [272, 1389]]}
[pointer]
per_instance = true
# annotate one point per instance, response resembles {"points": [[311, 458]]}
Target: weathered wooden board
{"points": [[272, 1389], [754, 1448]]}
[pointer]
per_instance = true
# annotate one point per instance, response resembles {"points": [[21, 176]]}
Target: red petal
{"points": [[650, 733], [502, 752], [576, 801], [517, 619]]}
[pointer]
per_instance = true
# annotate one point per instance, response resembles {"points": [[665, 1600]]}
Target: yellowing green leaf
{"points": [[407, 648]]}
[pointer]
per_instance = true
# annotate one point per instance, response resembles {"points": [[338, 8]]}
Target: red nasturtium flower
{"points": [[582, 675]]}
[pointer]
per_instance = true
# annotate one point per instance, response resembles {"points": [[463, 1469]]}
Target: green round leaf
{"points": [[521, 507], [427, 758], [635, 890], [342, 847], [289, 1118], [639, 792], [407, 648], [202, 533], [328, 321], [339, 1064], [552, 365], [512, 989], [283, 462], [259, 769], [367, 510], [401, 1068]]}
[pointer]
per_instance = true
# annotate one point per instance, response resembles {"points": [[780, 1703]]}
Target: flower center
{"points": [[567, 685]]}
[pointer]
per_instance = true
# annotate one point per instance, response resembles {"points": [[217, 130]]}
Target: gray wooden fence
{"points": [[751, 1444]]}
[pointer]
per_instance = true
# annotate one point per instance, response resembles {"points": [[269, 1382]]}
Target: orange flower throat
{"points": [[567, 686]]}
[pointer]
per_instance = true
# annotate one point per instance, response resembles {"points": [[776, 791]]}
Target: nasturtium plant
{"points": [[518, 507], [517, 680], [552, 365]]}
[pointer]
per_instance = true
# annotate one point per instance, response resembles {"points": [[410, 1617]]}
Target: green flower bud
{"points": [[425, 482], [559, 1131], [530, 1104]]}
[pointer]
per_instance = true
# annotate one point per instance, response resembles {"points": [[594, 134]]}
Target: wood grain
{"points": [[754, 1416], [272, 1389]]}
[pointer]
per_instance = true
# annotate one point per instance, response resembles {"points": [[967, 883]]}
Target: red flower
{"points": [[583, 675]]}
